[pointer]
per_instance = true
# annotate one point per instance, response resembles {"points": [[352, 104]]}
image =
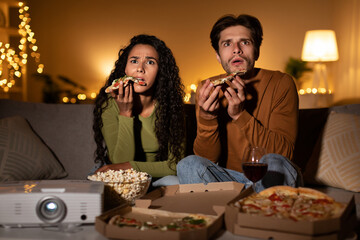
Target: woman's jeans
{"points": [[195, 169]]}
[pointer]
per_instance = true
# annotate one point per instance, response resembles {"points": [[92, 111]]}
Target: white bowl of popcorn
{"points": [[123, 185]]}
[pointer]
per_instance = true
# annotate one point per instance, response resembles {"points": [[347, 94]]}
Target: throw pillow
{"points": [[23, 155], [337, 163]]}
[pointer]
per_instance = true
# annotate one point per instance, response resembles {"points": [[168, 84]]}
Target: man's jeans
{"points": [[195, 169]]}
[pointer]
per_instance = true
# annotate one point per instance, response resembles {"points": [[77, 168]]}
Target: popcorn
{"points": [[129, 183]]}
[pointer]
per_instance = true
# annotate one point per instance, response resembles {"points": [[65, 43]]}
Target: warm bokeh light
{"points": [[65, 100], [93, 95], [187, 97], [193, 87], [14, 61], [314, 91], [81, 96]]}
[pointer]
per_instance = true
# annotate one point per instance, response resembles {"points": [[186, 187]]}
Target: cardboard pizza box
{"points": [[269, 227], [166, 204]]}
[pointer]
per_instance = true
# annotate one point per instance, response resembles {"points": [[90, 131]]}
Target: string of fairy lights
{"points": [[15, 62], [16, 58]]}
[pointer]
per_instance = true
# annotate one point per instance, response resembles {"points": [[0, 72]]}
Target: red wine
{"points": [[254, 171]]}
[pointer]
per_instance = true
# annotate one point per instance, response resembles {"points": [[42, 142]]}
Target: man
{"points": [[259, 108]]}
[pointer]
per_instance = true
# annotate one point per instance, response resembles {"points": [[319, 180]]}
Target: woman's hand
{"points": [[115, 167], [124, 99]]}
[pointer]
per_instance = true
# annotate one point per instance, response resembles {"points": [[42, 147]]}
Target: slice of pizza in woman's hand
{"points": [[126, 79], [294, 203]]}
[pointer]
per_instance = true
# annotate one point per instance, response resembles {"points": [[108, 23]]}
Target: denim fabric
{"points": [[94, 168], [195, 169], [166, 181]]}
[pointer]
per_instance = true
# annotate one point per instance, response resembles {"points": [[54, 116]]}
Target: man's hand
{"points": [[114, 167], [235, 94], [208, 101], [124, 99]]}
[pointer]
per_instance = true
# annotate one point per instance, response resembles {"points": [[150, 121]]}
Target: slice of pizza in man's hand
{"points": [[221, 79]]}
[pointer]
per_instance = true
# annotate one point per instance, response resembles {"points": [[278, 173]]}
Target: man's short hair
{"points": [[250, 22]]}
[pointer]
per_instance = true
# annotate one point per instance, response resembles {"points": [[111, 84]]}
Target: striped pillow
{"points": [[23, 155], [338, 162]]}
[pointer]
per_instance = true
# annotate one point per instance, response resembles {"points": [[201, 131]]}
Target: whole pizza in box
{"points": [[297, 204]]}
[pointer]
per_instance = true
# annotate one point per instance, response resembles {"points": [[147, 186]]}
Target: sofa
{"points": [[53, 141]]}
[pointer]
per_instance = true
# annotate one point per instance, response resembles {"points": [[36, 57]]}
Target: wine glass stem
{"points": [[254, 186]]}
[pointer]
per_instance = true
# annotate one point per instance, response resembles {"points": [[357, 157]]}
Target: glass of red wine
{"points": [[253, 168]]}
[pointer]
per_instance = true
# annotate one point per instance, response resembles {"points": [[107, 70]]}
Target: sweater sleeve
{"points": [[118, 134], [207, 142], [278, 133]]}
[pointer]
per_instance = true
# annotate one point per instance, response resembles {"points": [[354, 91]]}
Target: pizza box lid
{"points": [[170, 201], [245, 224]]}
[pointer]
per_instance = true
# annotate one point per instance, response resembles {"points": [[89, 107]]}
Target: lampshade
{"points": [[320, 46]]}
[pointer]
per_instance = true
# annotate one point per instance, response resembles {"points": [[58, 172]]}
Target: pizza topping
{"points": [[184, 224], [293, 203], [126, 79], [221, 80]]}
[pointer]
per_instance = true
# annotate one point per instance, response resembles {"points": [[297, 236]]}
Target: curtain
{"points": [[347, 71]]}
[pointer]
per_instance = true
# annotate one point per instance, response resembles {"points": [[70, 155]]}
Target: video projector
{"points": [[50, 202]]}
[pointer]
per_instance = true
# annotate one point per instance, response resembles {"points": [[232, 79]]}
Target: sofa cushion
{"points": [[23, 155], [336, 160], [65, 128]]}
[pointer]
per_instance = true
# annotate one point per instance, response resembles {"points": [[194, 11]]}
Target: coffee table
{"points": [[84, 232]]}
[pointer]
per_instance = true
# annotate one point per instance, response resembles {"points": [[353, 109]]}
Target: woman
{"points": [[141, 127]]}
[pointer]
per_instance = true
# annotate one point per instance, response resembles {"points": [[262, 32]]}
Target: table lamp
{"points": [[320, 46]]}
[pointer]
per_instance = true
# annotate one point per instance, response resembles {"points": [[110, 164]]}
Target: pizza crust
{"points": [[290, 191], [312, 193]]}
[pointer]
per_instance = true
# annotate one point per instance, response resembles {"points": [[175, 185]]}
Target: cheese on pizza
{"points": [[126, 79], [189, 222]]}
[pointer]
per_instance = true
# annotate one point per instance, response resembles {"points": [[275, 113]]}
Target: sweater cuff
{"points": [[243, 119], [134, 165], [206, 122]]}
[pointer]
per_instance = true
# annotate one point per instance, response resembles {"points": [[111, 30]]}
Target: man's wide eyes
{"points": [[246, 42], [243, 43]]}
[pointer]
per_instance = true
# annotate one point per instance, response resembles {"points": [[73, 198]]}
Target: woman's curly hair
{"points": [[168, 93]]}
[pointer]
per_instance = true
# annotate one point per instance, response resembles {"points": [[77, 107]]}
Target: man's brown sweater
{"points": [[269, 120]]}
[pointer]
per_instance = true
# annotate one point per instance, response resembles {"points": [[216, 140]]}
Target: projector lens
{"points": [[51, 209]]}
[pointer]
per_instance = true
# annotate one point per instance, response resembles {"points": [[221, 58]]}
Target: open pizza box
{"points": [[283, 229], [164, 205]]}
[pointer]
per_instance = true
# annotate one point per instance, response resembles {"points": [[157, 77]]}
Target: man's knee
{"points": [[187, 161], [280, 171], [191, 161]]}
